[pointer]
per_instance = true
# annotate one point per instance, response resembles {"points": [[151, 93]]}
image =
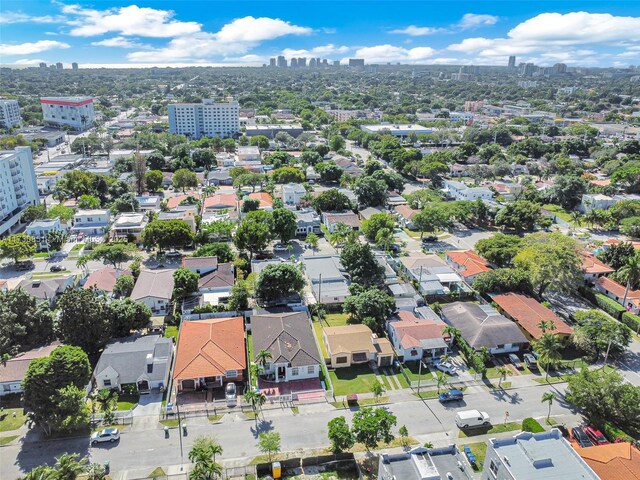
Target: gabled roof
{"points": [[105, 278], [222, 277], [173, 202], [263, 197], [410, 330], [15, 368], [41, 288], [355, 338], [528, 313], [615, 461], [348, 218], [287, 336], [210, 347], [406, 212], [472, 263], [200, 262], [153, 283], [591, 264], [220, 200], [618, 290]]}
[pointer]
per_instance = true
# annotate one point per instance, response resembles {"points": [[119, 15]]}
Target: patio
{"points": [[287, 388]]}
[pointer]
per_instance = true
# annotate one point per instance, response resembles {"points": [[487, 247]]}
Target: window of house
{"points": [[311, 369], [295, 371], [500, 346], [6, 388], [493, 466], [106, 383], [231, 373], [413, 352], [341, 359]]}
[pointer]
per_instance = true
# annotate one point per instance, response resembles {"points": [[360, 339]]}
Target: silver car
{"points": [[107, 435]]}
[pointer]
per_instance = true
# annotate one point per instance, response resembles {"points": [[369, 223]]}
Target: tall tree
{"points": [[278, 280], [548, 397], [371, 307], [361, 264], [269, 443], [284, 224], [630, 274], [371, 427], [549, 349], [499, 249], [165, 234], [24, 322], [17, 246], [185, 283], [340, 435], [254, 232], [83, 319], [114, 254], [127, 315], [183, 179]]}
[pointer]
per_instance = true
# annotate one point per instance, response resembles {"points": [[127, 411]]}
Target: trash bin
{"points": [[276, 470], [184, 430], [166, 432]]}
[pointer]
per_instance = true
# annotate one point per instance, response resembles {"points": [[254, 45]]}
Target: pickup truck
{"points": [[451, 396]]}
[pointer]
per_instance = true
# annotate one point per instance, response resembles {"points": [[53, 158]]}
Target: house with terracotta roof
{"points": [[417, 338], [592, 267], [266, 202], [174, 202], [615, 291], [223, 205], [352, 344], [527, 312], [289, 339], [615, 461], [13, 370], [467, 263], [405, 215], [104, 279], [210, 353]]}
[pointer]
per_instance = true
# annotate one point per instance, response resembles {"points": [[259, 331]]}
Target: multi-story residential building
{"points": [[129, 226], [91, 222], [39, 229], [18, 186], [248, 154], [9, 113], [292, 193], [74, 112], [271, 130], [460, 191], [206, 119]]}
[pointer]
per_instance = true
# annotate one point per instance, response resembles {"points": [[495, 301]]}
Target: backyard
{"points": [[11, 419], [354, 379]]}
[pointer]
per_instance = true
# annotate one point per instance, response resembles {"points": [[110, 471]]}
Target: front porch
{"points": [[199, 384]]}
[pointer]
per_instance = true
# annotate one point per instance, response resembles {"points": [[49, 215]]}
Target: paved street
{"points": [[426, 420]]}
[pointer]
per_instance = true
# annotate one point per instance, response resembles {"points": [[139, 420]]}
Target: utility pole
{"points": [[320, 288], [179, 431]]}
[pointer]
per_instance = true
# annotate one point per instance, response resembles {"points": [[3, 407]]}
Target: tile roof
{"points": [[105, 278], [264, 198], [220, 200], [210, 347], [287, 336], [348, 218], [590, 264], [618, 290], [615, 461], [153, 283], [15, 368], [173, 202], [528, 313], [410, 330], [471, 262], [355, 338], [222, 277]]}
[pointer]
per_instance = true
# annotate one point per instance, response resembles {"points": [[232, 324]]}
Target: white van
{"points": [[472, 418]]}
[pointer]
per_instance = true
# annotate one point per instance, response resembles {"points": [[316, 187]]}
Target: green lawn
{"points": [[336, 319], [7, 440], [317, 328], [8, 422], [78, 246], [480, 451], [157, 472], [499, 428], [412, 369], [173, 422], [426, 394], [363, 402], [354, 379], [171, 332], [127, 402], [558, 211]]}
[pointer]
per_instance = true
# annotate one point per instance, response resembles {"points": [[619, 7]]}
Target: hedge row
{"points": [[610, 306], [632, 321], [611, 431]]}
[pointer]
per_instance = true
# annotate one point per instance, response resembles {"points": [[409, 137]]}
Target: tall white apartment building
{"points": [[18, 187], [74, 112], [9, 113], [206, 119]]}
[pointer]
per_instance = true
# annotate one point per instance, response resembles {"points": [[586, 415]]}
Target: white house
{"points": [[416, 338], [460, 191], [129, 225], [154, 288], [91, 222], [292, 193], [307, 221], [149, 203], [13, 370], [248, 154], [38, 229]]}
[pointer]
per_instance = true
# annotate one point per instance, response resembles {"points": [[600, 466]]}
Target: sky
{"points": [[177, 33]]}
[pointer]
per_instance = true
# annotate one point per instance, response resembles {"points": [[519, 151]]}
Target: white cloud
{"points": [[18, 17], [234, 38], [29, 48], [416, 31], [390, 53], [551, 36], [131, 20], [472, 20], [28, 62], [320, 51], [120, 42]]}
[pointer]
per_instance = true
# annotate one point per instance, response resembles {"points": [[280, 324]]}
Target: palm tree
{"points": [[548, 397], [104, 398], [545, 325], [95, 471], [503, 371], [441, 381], [82, 261], [630, 272], [548, 349], [41, 472], [341, 233], [576, 219], [69, 467], [256, 400], [384, 238], [262, 357], [451, 332]]}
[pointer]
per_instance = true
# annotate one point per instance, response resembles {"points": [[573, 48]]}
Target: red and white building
{"points": [[74, 112]]}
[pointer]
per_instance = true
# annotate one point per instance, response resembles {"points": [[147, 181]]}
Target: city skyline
{"points": [[248, 33]]}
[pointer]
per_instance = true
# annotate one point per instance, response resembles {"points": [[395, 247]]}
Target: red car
{"points": [[595, 435]]}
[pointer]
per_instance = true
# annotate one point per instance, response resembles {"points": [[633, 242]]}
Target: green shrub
{"points": [[611, 431], [610, 306], [531, 425], [630, 320]]}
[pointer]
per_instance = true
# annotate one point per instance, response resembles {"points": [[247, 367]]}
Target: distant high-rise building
{"points": [[272, 62], [527, 69], [294, 63], [9, 113], [207, 119], [336, 63], [318, 62], [59, 66], [75, 112], [74, 66], [356, 62], [512, 61], [42, 65], [560, 68], [312, 63], [302, 62], [325, 63], [282, 62]]}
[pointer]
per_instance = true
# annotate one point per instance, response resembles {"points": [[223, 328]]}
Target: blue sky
{"points": [[145, 33]]}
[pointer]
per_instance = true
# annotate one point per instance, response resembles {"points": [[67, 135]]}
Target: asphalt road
{"points": [[148, 449]]}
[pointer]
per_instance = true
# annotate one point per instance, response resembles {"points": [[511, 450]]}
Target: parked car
{"points": [[515, 361], [446, 368], [230, 394], [451, 396], [578, 434], [280, 247], [472, 418], [595, 435], [429, 239], [173, 254], [107, 435], [56, 268], [530, 361], [395, 248]]}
